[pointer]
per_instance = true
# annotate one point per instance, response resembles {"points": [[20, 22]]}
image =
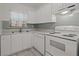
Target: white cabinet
{"points": [[21, 41], [5, 45], [43, 15], [53, 18], [16, 43], [32, 17], [26, 39], [39, 42]]}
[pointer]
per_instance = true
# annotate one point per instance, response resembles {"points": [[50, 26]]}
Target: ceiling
{"points": [[38, 5], [34, 5]]}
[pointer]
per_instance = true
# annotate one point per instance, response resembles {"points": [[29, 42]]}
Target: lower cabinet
{"points": [[16, 43], [11, 44], [5, 45], [26, 39], [39, 42]]}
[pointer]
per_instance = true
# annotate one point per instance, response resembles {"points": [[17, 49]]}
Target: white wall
{"points": [[67, 20], [4, 12]]}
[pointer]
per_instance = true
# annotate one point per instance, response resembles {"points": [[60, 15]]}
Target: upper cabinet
{"points": [[32, 17], [44, 15]]}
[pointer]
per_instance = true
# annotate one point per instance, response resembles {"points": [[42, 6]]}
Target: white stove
{"points": [[63, 43]]}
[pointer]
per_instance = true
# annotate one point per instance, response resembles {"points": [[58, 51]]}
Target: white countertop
{"points": [[60, 34]]}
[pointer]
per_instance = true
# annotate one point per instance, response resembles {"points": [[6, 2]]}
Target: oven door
{"points": [[61, 47]]}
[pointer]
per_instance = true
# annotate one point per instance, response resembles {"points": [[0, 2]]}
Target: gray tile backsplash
{"points": [[5, 24], [45, 26], [38, 27]]}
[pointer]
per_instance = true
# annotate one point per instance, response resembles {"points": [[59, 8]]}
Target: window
{"points": [[17, 19]]}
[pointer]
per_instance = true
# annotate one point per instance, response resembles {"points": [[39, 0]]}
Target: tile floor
{"points": [[30, 52]]}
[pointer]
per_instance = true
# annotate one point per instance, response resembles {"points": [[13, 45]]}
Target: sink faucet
{"points": [[20, 30]]}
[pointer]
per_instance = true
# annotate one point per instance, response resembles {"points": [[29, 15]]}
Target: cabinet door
{"points": [[16, 43], [32, 17], [39, 42], [27, 42], [5, 45], [21, 41], [53, 18], [44, 14]]}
